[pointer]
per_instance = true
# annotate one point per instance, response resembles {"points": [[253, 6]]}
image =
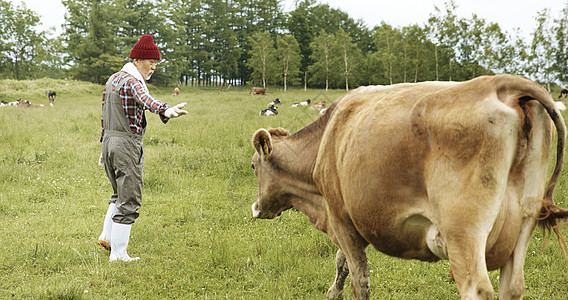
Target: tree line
{"points": [[239, 42]]}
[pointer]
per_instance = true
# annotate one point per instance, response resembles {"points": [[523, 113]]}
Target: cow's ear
{"points": [[262, 142]]}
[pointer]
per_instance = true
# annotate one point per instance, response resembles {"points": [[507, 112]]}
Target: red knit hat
{"points": [[145, 49]]}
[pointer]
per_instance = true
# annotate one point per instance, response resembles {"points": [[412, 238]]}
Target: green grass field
{"points": [[195, 235]]}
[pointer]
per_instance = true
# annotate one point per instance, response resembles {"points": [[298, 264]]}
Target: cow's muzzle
{"points": [[256, 213]]}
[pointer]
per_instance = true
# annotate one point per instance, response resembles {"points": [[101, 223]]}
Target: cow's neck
{"points": [[298, 154]]}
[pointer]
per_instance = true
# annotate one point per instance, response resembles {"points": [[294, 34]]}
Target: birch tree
{"points": [[348, 55], [289, 59], [263, 58], [321, 55], [541, 56]]}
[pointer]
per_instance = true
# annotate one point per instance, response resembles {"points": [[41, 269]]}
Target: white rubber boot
{"points": [[104, 238], [119, 242]]}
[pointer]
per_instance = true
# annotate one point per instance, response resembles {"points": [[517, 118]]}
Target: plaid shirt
{"points": [[135, 99]]}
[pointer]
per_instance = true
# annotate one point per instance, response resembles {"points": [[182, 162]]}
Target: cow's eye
{"points": [[252, 165]]}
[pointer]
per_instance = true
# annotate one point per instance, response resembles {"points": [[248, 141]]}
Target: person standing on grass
{"points": [[125, 99]]}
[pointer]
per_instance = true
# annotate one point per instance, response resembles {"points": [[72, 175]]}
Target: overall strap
{"points": [[113, 110]]}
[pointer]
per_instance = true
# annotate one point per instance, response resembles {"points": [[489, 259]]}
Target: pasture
{"points": [[195, 236]]}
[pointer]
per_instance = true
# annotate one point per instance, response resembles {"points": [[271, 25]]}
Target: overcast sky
{"points": [[509, 14]]}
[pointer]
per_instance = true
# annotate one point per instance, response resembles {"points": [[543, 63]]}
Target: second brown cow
{"points": [[258, 91]]}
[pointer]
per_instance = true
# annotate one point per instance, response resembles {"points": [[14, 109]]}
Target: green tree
{"points": [[513, 55], [323, 69], [187, 40], [52, 59], [289, 59], [494, 45], [434, 31], [175, 40], [263, 58], [541, 57], [443, 31], [308, 19], [256, 16], [417, 55], [469, 46], [389, 50], [230, 48], [91, 39], [348, 55], [299, 25], [21, 44], [224, 47], [372, 70], [7, 13], [560, 30]]}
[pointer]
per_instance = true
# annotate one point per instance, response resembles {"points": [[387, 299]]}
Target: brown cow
{"points": [[258, 91], [176, 92], [318, 106], [424, 171]]}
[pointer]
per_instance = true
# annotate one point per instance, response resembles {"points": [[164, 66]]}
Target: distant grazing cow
{"points": [[563, 94], [275, 102], [318, 106], [271, 111], [258, 91], [51, 96], [303, 103], [23, 103], [423, 171], [27, 103], [176, 92]]}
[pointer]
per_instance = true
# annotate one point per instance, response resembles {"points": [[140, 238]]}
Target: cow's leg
{"points": [[512, 280], [466, 218], [336, 290], [353, 247], [467, 260], [359, 269], [465, 225]]}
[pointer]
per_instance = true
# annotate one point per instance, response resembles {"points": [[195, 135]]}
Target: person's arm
{"points": [[143, 97]]}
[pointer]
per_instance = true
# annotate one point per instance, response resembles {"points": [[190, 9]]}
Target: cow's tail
{"points": [[528, 90]]}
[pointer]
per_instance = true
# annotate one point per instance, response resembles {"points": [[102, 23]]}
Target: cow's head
{"points": [[272, 198]]}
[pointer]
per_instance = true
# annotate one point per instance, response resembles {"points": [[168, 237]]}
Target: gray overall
{"points": [[123, 157]]}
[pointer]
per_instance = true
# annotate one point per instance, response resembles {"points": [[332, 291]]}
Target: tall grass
{"points": [[195, 235]]}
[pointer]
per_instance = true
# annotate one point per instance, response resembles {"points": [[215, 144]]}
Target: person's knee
{"points": [[124, 219], [125, 215]]}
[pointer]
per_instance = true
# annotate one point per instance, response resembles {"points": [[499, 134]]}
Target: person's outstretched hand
{"points": [[175, 111]]}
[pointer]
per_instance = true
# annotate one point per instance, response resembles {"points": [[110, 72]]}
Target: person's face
{"points": [[146, 67]]}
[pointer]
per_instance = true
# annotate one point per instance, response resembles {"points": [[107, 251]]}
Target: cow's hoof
{"points": [[334, 294]]}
